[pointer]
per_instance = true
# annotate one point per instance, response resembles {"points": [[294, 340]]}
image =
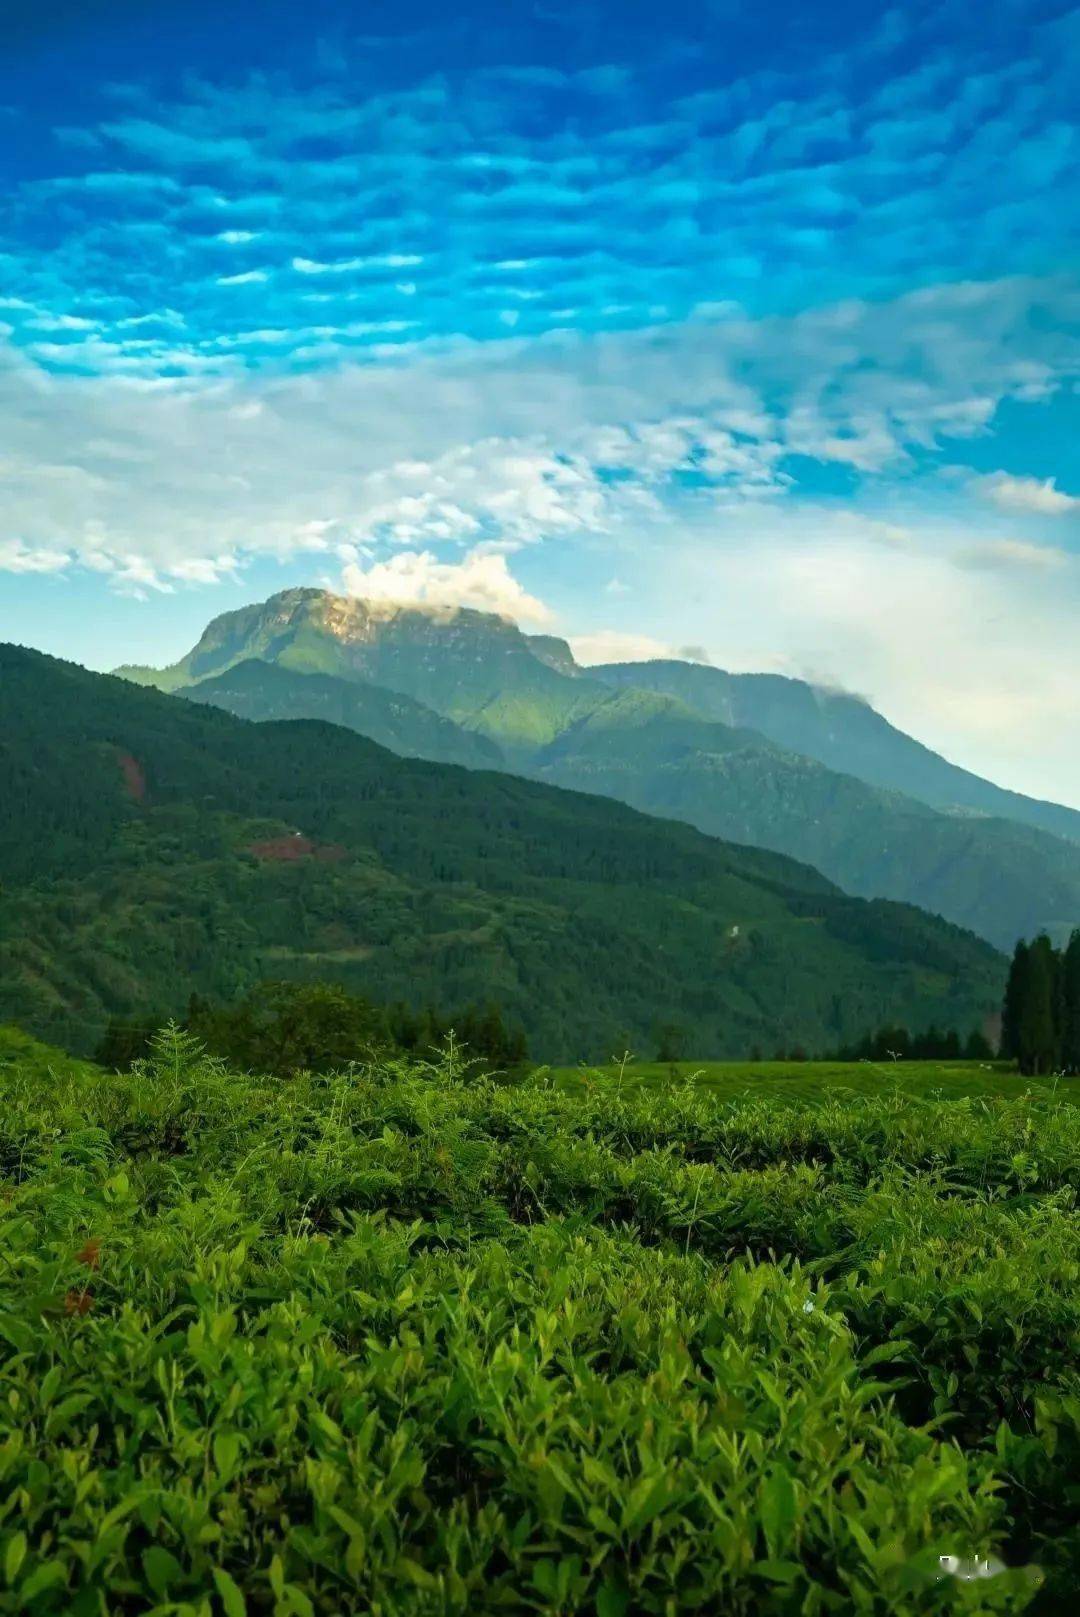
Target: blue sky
{"points": [[749, 328]]}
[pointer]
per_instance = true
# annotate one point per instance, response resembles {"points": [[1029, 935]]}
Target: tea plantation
{"points": [[409, 1341]]}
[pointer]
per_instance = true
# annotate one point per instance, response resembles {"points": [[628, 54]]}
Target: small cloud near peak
{"points": [[613, 646], [481, 580]]}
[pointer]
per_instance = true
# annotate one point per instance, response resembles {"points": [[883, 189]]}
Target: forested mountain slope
{"points": [[150, 847], [260, 690], [661, 749], [1001, 879], [839, 730]]}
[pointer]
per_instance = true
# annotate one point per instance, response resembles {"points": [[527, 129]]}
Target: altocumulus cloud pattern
{"points": [[590, 302]]}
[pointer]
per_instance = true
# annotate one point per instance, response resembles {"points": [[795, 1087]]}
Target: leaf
{"points": [[226, 1453], [233, 1603], [14, 1556], [43, 1577], [884, 1353], [778, 1571], [162, 1570], [611, 1601], [779, 1509], [415, 1573]]}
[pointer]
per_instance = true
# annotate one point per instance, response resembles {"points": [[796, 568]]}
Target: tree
{"points": [[978, 1047], [124, 1042], [1015, 995], [1039, 1029], [670, 1042], [1070, 1006], [286, 1027]]}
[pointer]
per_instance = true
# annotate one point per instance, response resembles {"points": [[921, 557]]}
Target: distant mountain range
{"points": [[757, 759], [151, 847]]}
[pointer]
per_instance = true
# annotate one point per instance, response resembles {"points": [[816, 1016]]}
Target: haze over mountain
{"points": [[151, 847], [755, 759], [839, 730]]}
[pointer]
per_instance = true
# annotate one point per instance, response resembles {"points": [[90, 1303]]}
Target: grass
{"points": [[810, 1082], [408, 1341]]}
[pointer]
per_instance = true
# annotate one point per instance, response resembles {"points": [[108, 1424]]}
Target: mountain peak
{"points": [[553, 650]]}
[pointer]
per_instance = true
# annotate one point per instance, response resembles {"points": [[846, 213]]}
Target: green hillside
{"points": [[150, 847], [994, 876], [682, 749], [260, 690], [841, 731]]}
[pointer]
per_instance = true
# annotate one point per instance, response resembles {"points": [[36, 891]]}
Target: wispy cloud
{"points": [[618, 646], [1012, 553], [1037, 496], [594, 195], [519, 441], [244, 278]]}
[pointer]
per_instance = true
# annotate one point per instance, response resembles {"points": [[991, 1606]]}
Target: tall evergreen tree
{"points": [[1015, 994], [1039, 1026], [1070, 1008]]}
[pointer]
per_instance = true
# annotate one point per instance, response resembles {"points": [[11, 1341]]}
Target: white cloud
{"points": [[655, 457], [1041, 497], [518, 440], [982, 664], [481, 580], [204, 569], [616, 646], [17, 557], [1012, 553]]}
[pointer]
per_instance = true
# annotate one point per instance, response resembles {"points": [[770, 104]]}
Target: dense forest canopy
{"points": [[151, 848]]}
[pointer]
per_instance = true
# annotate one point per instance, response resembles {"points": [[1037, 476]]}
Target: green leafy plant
{"points": [[404, 1339]]}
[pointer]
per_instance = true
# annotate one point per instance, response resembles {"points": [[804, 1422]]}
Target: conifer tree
{"points": [[1015, 995], [1070, 1006], [1039, 1029]]}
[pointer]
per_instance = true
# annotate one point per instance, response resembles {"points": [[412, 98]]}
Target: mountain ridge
{"points": [[915, 769], [648, 734]]}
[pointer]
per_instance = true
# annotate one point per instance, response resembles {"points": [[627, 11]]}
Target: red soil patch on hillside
{"points": [[288, 849], [134, 779]]}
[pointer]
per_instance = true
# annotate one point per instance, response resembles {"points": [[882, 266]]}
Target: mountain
{"points": [[659, 746], [260, 690], [842, 731], [473, 667], [151, 847], [1000, 879]]}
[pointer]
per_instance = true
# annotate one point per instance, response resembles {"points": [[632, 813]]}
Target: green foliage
{"points": [[809, 1083], [151, 849], [288, 1027], [1041, 1013], [390, 1342], [264, 690], [1070, 1005], [898, 1044]]}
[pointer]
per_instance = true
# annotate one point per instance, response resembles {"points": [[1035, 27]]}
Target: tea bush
{"points": [[399, 1340]]}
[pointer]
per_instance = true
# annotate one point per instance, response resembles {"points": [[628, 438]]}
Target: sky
{"points": [[751, 330]]}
